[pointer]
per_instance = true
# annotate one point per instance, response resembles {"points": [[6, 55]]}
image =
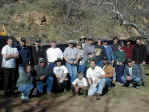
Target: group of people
{"points": [[86, 67]]}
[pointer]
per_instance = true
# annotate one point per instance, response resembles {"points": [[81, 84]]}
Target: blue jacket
{"points": [[135, 71], [109, 53], [24, 55]]}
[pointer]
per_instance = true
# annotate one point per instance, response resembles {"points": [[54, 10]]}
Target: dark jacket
{"points": [[37, 54], [42, 71], [99, 53], [139, 54], [24, 55]]}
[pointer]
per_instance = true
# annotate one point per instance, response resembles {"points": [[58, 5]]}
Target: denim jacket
{"points": [[135, 71]]}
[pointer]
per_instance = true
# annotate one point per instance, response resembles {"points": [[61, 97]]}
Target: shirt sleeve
{"points": [[85, 82], [4, 51], [101, 71], [60, 53], [88, 75], [75, 82], [65, 70]]}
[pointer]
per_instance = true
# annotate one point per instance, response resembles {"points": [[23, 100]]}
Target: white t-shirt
{"points": [[53, 54], [60, 71], [95, 73], [79, 83], [9, 63]]}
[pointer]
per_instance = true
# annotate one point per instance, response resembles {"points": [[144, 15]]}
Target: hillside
{"points": [[69, 19]]}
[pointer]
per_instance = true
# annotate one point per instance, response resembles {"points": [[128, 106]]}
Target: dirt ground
{"points": [[119, 99]]}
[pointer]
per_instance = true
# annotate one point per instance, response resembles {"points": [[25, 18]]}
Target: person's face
{"points": [[80, 77], [130, 64], [71, 45], [58, 63], [90, 55], [79, 46], [37, 44], [128, 43], [99, 43], [105, 62], [28, 69], [105, 43], [53, 44], [92, 64], [139, 42], [10, 42], [90, 42], [115, 41], [22, 43], [42, 64]]}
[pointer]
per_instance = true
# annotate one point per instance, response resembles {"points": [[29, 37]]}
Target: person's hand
{"points": [[112, 62], [42, 77], [129, 78], [133, 62], [144, 62]]}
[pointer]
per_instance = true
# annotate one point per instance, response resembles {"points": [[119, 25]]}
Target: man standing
{"points": [[109, 52], [99, 53], [53, 53], [89, 48], [24, 55], [37, 52], [139, 56], [71, 58], [9, 54], [96, 79]]}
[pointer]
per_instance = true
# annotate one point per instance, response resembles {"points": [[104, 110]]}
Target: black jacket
{"points": [[139, 53], [37, 54]]}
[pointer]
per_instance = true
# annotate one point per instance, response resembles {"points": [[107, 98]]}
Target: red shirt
{"points": [[129, 51]]}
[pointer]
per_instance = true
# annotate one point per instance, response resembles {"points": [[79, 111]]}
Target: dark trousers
{"points": [[9, 80], [119, 69]]}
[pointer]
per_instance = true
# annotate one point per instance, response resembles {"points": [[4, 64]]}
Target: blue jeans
{"points": [[119, 69], [51, 66], [135, 79], [26, 89], [72, 69], [82, 68], [100, 64], [108, 82], [21, 70], [49, 83], [97, 88]]}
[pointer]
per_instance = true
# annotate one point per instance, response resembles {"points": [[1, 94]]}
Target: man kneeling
{"points": [[131, 75], [80, 85], [96, 79], [43, 77]]}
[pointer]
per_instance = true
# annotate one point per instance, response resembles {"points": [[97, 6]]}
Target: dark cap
{"points": [[115, 38], [90, 39], [58, 60], [105, 41], [42, 60], [38, 40], [23, 40], [71, 42]]}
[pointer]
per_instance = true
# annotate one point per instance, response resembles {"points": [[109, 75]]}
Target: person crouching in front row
{"points": [[60, 72], [43, 77], [132, 76], [24, 82], [80, 85], [96, 79]]}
